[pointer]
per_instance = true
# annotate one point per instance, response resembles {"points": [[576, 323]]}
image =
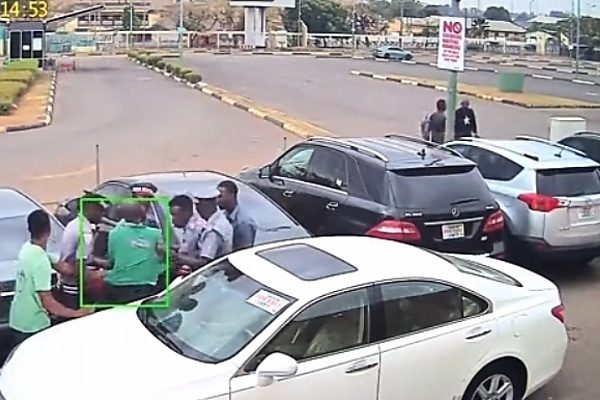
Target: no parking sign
{"points": [[451, 44]]}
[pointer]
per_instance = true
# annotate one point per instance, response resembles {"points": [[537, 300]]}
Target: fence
{"points": [[111, 41]]}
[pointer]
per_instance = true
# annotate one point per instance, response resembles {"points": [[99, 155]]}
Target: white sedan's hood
{"points": [[108, 355]]}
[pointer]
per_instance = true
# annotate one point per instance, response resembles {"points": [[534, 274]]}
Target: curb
{"points": [[464, 92], [591, 71], [213, 92], [47, 116]]}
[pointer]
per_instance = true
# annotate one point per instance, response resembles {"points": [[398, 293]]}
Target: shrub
{"points": [[184, 71], [152, 60], [169, 68], [177, 70], [143, 59], [193, 77], [19, 75], [9, 94], [160, 64], [22, 64]]}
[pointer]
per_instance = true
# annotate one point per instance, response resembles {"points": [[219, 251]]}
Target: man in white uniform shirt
{"points": [[71, 251]]}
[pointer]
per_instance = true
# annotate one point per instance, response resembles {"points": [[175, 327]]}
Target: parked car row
{"points": [[522, 198]]}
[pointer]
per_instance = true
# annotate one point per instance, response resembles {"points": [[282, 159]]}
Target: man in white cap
{"points": [[216, 236]]}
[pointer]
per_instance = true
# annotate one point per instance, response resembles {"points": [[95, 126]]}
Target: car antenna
{"points": [[559, 154], [422, 153]]}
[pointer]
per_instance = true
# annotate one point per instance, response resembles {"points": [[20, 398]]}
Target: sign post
{"points": [[451, 55]]}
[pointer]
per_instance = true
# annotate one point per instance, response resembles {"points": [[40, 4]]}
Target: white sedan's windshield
{"points": [[214, 314]]}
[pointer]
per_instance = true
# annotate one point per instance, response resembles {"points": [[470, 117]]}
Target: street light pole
{"points": [[578, 35], [353, 26], [180, 29], [401, 23], [130, 24], [453, 79]]}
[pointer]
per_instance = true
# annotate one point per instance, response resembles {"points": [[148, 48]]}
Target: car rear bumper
{"points": [[491, 244], [543, 250]]}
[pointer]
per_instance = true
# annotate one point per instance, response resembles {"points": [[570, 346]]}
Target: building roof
{"points": [[505, 27], [542, 19]]}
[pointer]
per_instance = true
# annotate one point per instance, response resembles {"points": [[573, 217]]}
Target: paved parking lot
{"points": [[323, 92], [141, 121]]}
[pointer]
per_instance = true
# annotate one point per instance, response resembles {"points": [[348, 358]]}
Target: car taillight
{"points": [[402, 231], [495, 222], [539, 202], [559, 313]]}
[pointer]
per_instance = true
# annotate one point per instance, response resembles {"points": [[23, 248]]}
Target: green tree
{"points": [[320, 16], [130, 20], [497, 14]]}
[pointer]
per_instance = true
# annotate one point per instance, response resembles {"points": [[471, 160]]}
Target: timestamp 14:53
{"points": [[31, 9]]}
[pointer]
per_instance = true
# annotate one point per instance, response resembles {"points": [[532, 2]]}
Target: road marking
{"points": [[592, 94], [583, 82], [143, 79], [542, 76], [82, 171]]}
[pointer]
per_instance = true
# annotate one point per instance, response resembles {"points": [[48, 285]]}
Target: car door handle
{"points": [[361, 366], [288, 193], [478, 333], [332, 205]]}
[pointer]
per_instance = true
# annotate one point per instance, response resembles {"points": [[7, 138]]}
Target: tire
{"points": [[501, 374], [386, 56], [408, 57]]}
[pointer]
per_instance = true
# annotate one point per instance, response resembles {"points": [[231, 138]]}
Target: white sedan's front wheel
{"points": [[494, 383]]}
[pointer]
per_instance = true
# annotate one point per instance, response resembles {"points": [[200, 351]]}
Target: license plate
{"points": [[586, 213], [453, 231]]}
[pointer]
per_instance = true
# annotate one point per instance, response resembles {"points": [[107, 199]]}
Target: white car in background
{"points": [[351, 318]]}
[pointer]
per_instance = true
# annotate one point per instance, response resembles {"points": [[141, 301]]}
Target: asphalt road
{"points": [[532, 85], [323, 92], [142, 121]]}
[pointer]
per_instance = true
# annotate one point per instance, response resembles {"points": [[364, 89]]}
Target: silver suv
{"points": [[549, 193]]}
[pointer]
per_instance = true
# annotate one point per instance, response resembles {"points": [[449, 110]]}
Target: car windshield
{"points": [[213, 314], [13, 234]]}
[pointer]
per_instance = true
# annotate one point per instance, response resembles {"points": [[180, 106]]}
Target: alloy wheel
{"points": [[495, 387]]}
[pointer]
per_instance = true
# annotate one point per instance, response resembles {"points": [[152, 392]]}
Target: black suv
{"points": [[588, 142], [397, 187]]}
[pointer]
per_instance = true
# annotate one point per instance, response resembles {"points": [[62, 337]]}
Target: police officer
{"points": [[216, 236], [146, 190]]}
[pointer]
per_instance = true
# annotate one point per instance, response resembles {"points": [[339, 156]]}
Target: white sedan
{"points": [[351, 318]]}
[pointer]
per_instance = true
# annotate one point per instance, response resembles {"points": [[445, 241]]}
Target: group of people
{"points": [[433, 126], [123, 259]]}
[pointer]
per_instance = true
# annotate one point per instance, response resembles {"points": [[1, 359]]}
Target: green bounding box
{"points": [[159, 201], [511, 82]]}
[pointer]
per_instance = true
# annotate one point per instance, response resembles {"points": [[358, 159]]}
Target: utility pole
{"points": [[401, 23], [353, 26], [299, 22], [453, 79], [180, 29], [578, 35], [130, 24]]}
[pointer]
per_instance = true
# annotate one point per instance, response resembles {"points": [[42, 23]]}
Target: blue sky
{"points": [[541, 6]]}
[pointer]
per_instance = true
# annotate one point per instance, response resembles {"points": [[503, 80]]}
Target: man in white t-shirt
{"points": [[74, 247]]}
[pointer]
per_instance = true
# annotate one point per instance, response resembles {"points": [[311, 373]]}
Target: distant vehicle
{"points": [[395, 187], [549, 193], [587, 142], [348, 317], [392, 53], [272, 222], [14, 209]]}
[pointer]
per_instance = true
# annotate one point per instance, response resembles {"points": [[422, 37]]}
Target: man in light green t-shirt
{"points": [[33, 303], [133, 252]]}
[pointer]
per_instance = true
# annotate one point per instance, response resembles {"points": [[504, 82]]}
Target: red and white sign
{"points": [[451, 44]]}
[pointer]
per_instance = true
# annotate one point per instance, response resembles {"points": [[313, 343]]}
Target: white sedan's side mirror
{"points": [[276, 365]]}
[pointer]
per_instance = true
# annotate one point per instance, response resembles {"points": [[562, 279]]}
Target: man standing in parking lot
{"points": [[434, 127], [465, 123], [33, 302], [216, 237], [244, 227]]}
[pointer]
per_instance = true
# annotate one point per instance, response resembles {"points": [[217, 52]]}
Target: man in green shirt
{"points": [[33, 302], [133, 253]]}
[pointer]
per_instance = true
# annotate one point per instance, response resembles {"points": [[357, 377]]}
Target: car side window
{"points": [[461, 148], [328, 168], [494, 166], [113, 189], [294, 164], [334, 324], [590, 147], [415, 306], [367, 180]]}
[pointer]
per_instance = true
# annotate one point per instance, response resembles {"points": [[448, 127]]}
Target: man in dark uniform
{"points": [[465, 123]]}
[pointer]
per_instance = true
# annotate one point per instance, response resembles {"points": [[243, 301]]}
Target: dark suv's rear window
{"points": [[568, 182], [427, 188]]}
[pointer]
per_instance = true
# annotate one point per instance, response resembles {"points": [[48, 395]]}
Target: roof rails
{"points": [[423, 142], [492, 144], [582, 133], [559, 146], [350, 145]]}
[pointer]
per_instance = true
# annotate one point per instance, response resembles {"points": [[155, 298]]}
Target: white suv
{"points": [[549, 193]]}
